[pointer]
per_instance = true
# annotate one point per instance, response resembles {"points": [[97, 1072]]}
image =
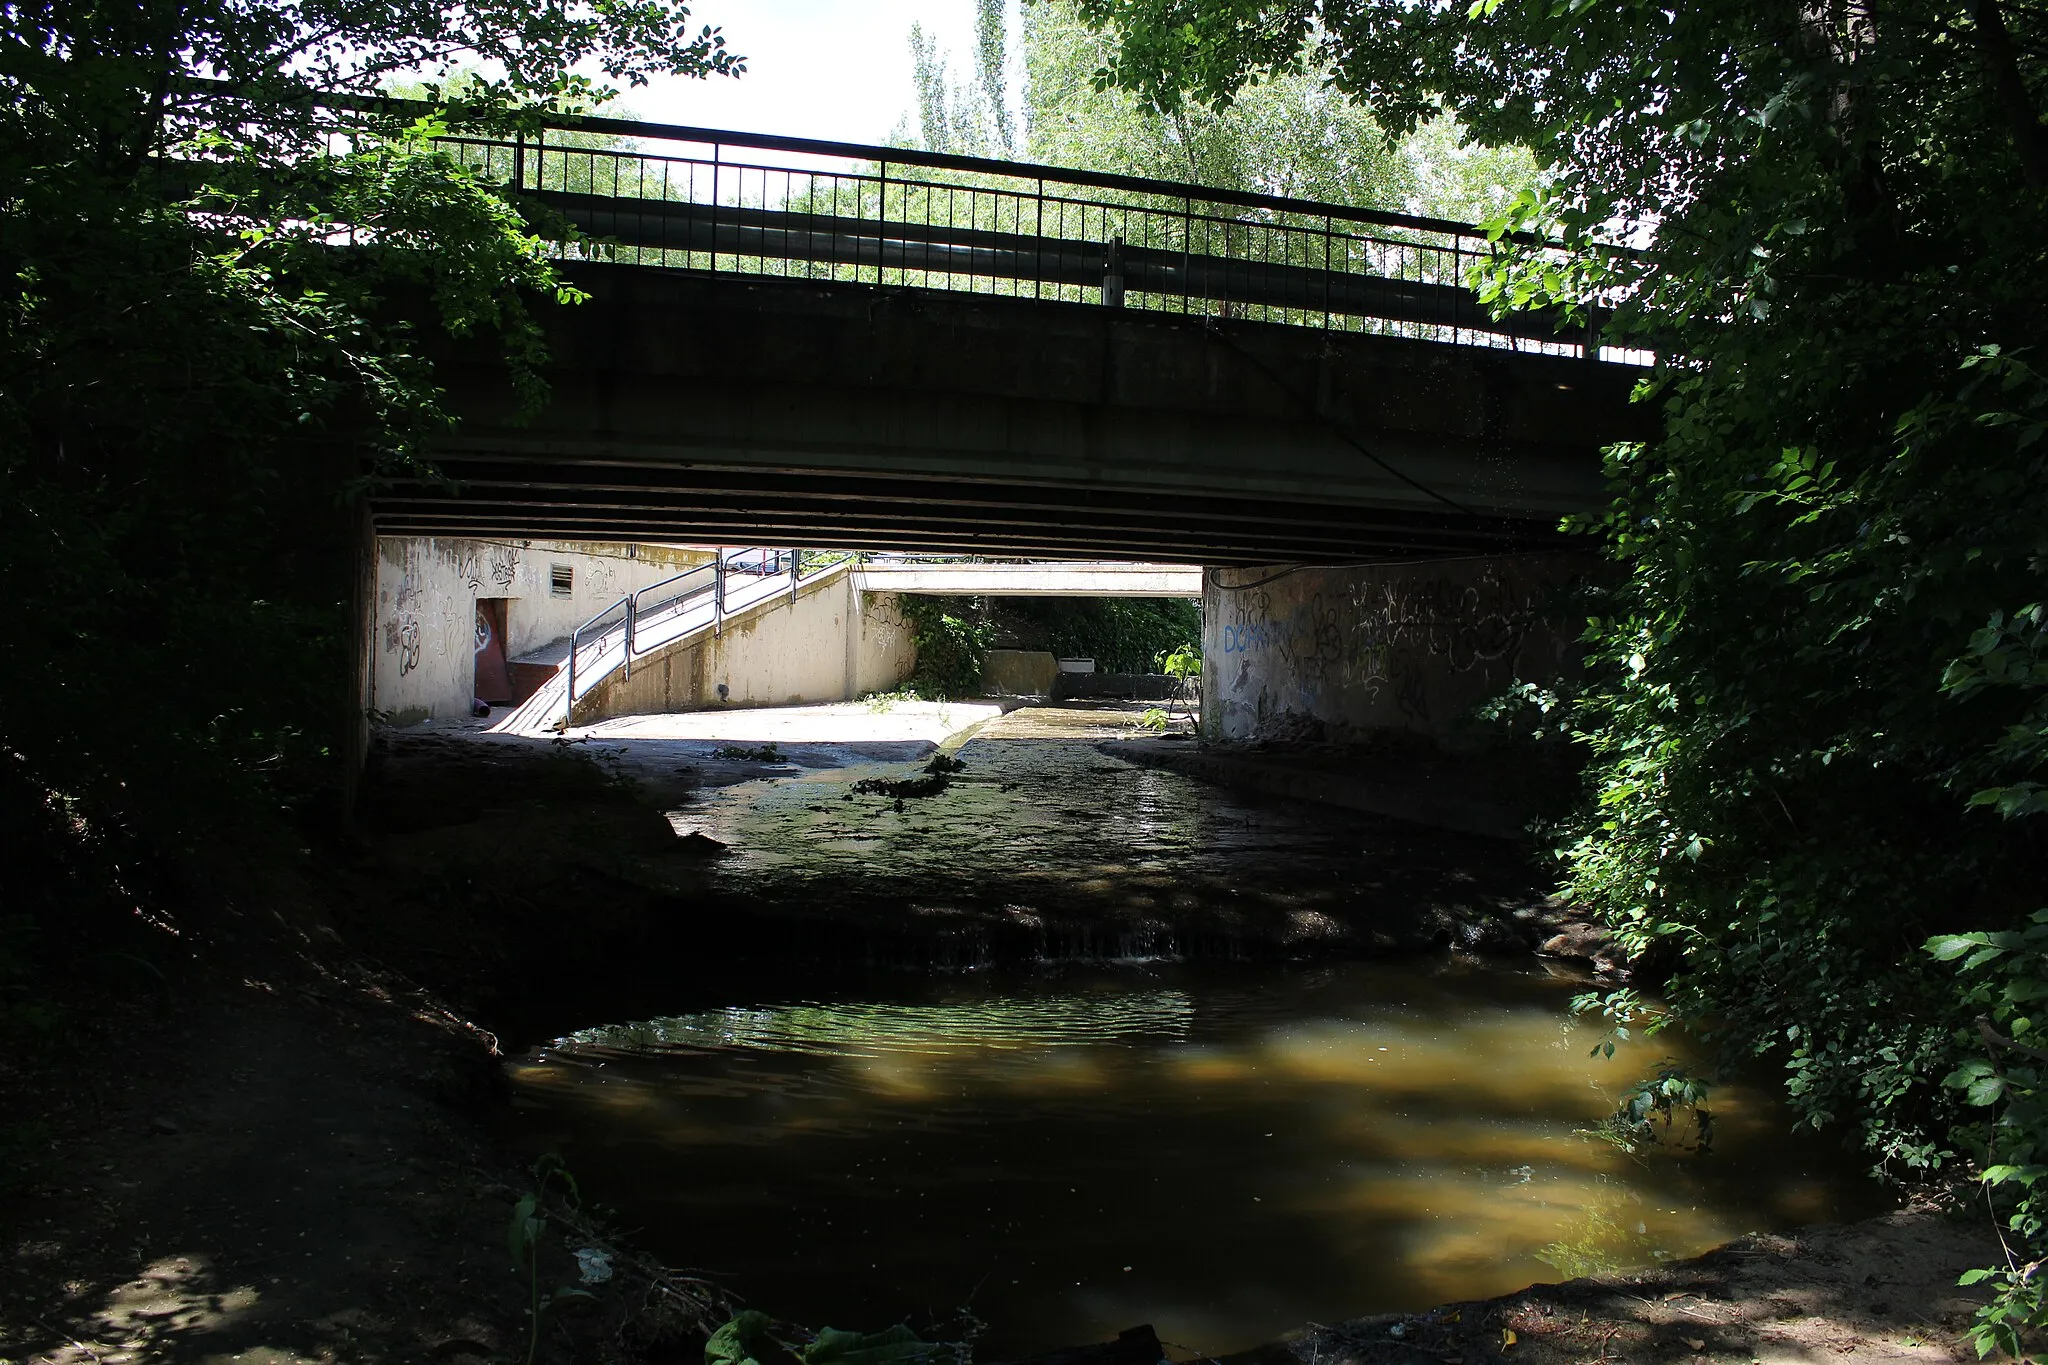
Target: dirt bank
{"points": [[281, 1154], [1881, 1290]]}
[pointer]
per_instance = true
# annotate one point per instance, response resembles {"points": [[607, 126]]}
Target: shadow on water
{"points": [[1224, 1151], [1043, 848]]}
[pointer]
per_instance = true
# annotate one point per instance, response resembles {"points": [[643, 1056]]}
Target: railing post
{"points": [[1328, 273], [1038, 262], [632, 612], [796, 568], [569, 694], [1113, 275], [717, 152], [718, 595], [1187, 253], [519, 159]]}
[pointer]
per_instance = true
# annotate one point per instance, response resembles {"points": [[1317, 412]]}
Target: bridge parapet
{"points": [[728, 202]]}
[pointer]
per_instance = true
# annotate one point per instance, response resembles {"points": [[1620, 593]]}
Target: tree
{"points": [[1816, 711], [1290, 137], [193, 378]]}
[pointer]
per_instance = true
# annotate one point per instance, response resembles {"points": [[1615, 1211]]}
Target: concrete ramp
{"points": [[649, 634]]}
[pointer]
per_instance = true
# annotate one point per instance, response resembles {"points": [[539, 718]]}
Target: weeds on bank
{"points": [[882, 703], [522, 1239], [646, 1304], [754, 1338]]}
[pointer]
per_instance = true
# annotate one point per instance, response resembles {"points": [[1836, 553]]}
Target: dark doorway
{"points": [[493, 678]]}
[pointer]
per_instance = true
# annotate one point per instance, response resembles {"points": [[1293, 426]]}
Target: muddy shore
{"points": [[284, 1155]]}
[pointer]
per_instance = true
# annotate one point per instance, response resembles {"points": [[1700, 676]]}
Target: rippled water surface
{"points": [[1225, 1152]]}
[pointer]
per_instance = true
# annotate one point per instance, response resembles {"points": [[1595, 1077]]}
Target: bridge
{"points": [[1055, 578], [803, 342]]}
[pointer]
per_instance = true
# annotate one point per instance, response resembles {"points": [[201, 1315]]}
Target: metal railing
{"points": [[756, 562], [710, 200]]}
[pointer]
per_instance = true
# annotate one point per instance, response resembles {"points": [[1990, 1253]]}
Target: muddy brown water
{"points": [[1226, 1150]]}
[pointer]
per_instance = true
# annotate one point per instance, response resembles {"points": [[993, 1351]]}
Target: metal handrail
{"points": [[896, 216], [893, 156], [634, 610], [575, 645], [630, 602]]}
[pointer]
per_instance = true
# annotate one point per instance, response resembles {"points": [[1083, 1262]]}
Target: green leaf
{"points": [[1985, 1089], [896, 1346], [1947, 947], [522, 1231], [743, 1340]]}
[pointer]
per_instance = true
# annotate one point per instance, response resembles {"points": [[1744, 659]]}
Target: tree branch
{"points": [[2001, 63], [1993, 1038]]}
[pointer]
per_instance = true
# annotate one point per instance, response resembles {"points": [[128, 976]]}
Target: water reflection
{"points": [[1224, 1153]]}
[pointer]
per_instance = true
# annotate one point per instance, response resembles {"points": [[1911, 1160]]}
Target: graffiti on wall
{"points": [[1362, 640], [402, 637], [469, 564], [504, 562]]}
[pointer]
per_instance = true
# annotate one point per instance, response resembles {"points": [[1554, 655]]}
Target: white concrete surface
{"points": [[424, 650], [931, 722], [1051, 579]]}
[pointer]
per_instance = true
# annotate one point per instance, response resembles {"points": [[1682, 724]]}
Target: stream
{"points": [[1225, 1152], [1226, 1144]]}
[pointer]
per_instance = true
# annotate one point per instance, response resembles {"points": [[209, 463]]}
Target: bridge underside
{"points": [[690, 407]]}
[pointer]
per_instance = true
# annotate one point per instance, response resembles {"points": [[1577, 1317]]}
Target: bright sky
{"points": [[836, 69]]}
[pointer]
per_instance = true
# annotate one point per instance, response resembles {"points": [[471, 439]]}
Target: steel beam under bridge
{"points": [[1031, 580], [692, 407]]}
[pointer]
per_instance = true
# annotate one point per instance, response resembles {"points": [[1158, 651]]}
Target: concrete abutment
{"points": [[1345, 655]]}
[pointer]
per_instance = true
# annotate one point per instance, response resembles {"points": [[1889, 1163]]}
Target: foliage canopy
{"points": [[1816, 708], [1292, 135], [193, 380]]}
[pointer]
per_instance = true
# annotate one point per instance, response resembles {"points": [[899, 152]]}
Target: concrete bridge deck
{"points": [[1030, 580], [803, 342], [694, 407]]}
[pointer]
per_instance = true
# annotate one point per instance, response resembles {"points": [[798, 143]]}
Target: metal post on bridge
{"points": [[1113, 275], [796, 569], [1328, 242]]}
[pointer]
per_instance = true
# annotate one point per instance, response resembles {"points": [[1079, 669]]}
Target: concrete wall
{"points": [[832, 643], [423, 645], [1336, 654]]}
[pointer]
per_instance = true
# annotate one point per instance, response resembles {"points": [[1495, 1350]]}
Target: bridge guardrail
{"points": [[724, 202]]}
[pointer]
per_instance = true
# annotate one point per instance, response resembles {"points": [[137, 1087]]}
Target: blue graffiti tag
{"points": [[1250, 637]]}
